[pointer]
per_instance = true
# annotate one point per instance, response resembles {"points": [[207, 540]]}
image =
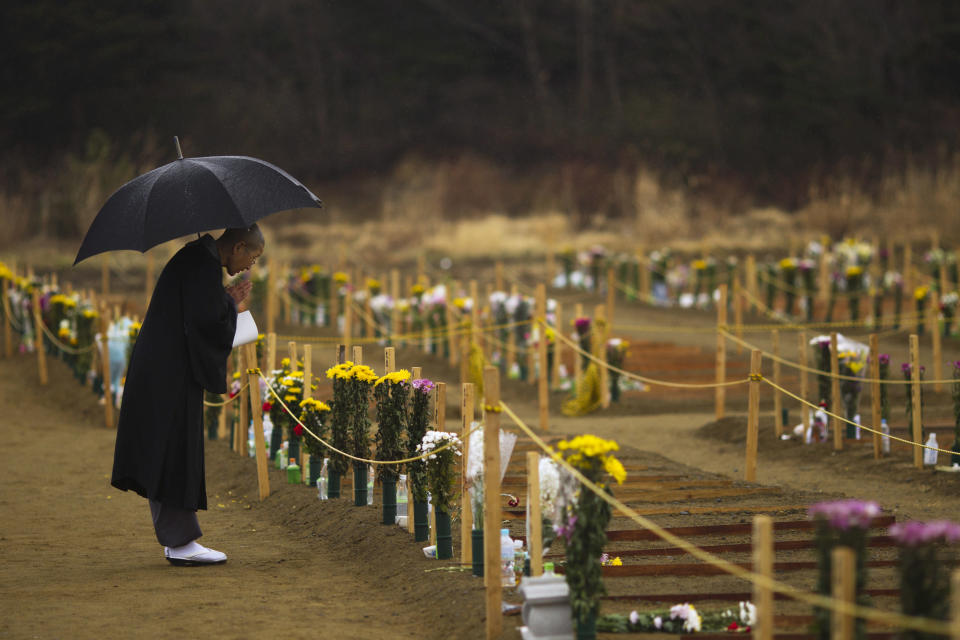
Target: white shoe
{"points": [[193, 554]]}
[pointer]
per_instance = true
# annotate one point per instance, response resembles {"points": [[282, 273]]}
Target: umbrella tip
{"points": [[176, 141]]}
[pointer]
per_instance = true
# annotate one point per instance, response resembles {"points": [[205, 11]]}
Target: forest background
{"points": [[665, 117]]}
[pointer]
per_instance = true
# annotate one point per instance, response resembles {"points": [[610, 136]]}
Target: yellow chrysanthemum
{"points": [[699, 265], [316, 405], [615, 468], [787, 264], [289, 398], [340, 277], [90, 313], [336, 369], [417, 289], [373, 283], [236, 374], [616, 562], [363, 373], [854, 270], [397, 376], [285, 363], [920, 292], [459, 303]]}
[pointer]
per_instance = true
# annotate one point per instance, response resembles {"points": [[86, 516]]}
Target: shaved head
{"points": [[250, 236]]}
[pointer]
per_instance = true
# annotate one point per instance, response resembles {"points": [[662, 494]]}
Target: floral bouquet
{"points": [[839, 523], [313, 413], [340, 419], [854, 275], [582, 522], [582, 328], [920, 295], [392, 394], [417, 426], [822, 355], [926, 560], [359, 385], [788, 274], [807, 278], [948, 307], [617, 349], [681, 618], [853, 365], [441, 466]]}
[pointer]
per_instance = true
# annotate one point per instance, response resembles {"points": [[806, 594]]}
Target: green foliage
{"points": [[584, 572], [340, 417], [416, 428], [392, 399]]}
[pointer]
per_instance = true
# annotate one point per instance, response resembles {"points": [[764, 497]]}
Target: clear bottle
{"points": [[322, 481], [371, 475], [293, 472], [930, 455], [548, 569], [519, 556], [885, 440], [508, 579]]}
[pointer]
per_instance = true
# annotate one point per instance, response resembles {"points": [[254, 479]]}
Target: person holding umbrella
{"points": [[182, 349], [188, 329]]}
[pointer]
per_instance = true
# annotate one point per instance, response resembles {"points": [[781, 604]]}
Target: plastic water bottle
{"points": [[518, 560], [293, 472], [548, 569], [930, 455], [370, 478], [508, 579], [322, 481], [885, 439]]}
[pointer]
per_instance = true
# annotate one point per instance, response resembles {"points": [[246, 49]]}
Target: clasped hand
{"points": [[240, 292]]}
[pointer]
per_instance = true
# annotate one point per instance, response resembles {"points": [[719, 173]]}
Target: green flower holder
{"points": [[389, 500], [276, 440], [316, 466], [587, 627], [444, 536], [333, 483], [421, 526], [476, 544], [359, 484]]}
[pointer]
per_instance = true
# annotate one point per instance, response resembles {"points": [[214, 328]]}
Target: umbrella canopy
{"points": [[192, 195]]}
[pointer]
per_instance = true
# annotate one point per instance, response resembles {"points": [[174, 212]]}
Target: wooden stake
{"points": [[415, 373], [644, 276], [256, 410], [467, 398], [753, 417], [875, 394], [843, 577], [823, 284], [600, 351], [721, 367], [955, 605], [908, 270], [836, 400], [535, 541], [777, 399], [272, 297], [804, 379], [557, 348], [935, 338], [307, 393], [543, 382], [763, 565], [439, 419], [38, 341], [389, 360], [611, 292], [395, 311], [491, 497], [452, 314], [738, 304], [915, 400], [577, 358], [271, 352], [347, 322], [751, 278], [240, 434]]}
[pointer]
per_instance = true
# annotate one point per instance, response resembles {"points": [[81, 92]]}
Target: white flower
{"points": [[433, 456], [658, 622], [748, 613], [693, 622], [634, 617]]}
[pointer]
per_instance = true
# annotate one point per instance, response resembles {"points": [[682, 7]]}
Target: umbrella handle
{"points": [[176, 141]]}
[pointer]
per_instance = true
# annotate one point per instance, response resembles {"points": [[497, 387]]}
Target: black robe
{"points": [[182, 349]]}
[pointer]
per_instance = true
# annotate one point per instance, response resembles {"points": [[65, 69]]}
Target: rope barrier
{"points": [[232, 398], [851, 422], [18, 326], [64, 347], [819, 372], [442, 332], [634, 376], [329, 446], [838, 606]]}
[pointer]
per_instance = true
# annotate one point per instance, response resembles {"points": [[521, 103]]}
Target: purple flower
{"points": [[914, 533], [423, 385], [582, 325], [884, 358], [566, 530], [845, 514], [905, 367]]}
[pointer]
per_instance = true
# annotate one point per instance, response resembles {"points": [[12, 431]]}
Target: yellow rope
{"points": [[839, 376], [228, 400], [306, 429], [838, 606], [634, 376], [63, 347], [461, 329], [842, 419]]}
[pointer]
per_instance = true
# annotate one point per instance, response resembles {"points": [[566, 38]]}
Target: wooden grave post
{"points": [[611, 292], [535, 542], [307, 394], [38, 341], [440, 420], [467, 400], [933, 309], [543, 377], [763, 565], [843, 579], [415, 373], [512, 336], [753, 417], [600, 351], [259, 444], [357, 354], [347, 321], [577, 356], [738, 304], [395, 311], [917, 426], [908, 270], [721, 367], [875, 394], [836, 400], [105, 367], [240, 433], [557, 348], [492, 508], [271, 352], [777, 399], [804, 379]]}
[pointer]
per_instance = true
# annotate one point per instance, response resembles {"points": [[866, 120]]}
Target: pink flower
{"points": [[845, 514], [914, 533]]}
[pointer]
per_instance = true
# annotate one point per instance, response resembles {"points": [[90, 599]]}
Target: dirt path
{"points": [[81, 561]]}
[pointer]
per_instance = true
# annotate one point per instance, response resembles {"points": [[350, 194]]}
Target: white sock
{"points": [[188, 549]]}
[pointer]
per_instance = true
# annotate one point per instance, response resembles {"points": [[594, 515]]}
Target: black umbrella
{"points": [[192, 195]]}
